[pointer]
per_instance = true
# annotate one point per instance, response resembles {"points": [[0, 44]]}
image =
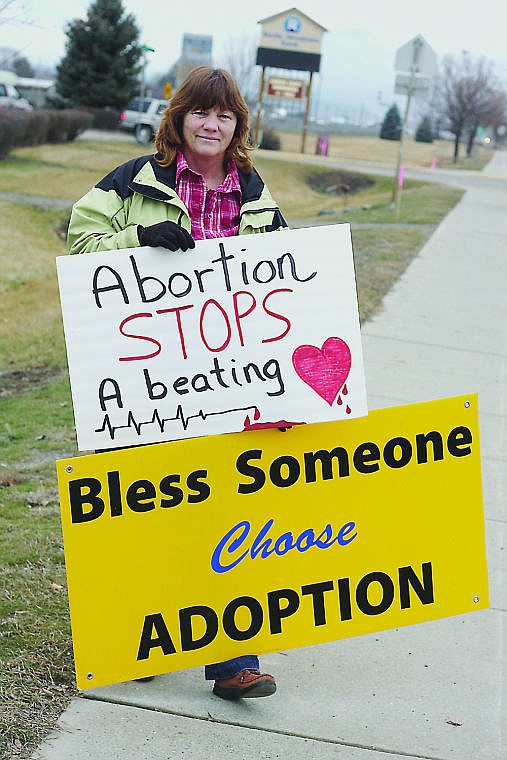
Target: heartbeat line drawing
{"points": [[161, 422]]}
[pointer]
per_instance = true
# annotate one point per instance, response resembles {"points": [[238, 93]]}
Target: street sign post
{"points": [[416, 56], [417, 63], [418, 85]]}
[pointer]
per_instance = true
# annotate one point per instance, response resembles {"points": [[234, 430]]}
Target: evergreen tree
{"points": [[102, 58], [424, 132], [391, 126]]}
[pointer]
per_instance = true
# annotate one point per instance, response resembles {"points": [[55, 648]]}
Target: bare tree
{"points": [[4, 5], [239, 58], [489, 106], [468, 95], [7, 56], [11, 12]]}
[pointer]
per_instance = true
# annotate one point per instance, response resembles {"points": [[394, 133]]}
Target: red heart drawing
{"points": [[324, 369]]}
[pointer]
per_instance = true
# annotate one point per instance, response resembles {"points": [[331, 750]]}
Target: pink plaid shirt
{"points": [[213, 213]]}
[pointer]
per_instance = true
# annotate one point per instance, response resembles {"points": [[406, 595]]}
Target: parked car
{"points": [[10, 98], [143, 119]]}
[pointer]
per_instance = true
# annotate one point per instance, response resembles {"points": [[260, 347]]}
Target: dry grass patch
{"points": [[62, 171], [380, 258], [369, 148], [41, 319], [36, 668], [31, 325], [289, 184], [28, 245], [36, 682], [421, 203]]}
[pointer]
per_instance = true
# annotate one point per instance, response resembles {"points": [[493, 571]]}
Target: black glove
{"points": [[167, 235]]}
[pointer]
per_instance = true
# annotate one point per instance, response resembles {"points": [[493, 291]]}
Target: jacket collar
{"points": [[155, 180]]}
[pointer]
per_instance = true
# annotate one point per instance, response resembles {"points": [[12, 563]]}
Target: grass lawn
{"points": [[371, 148], [36, 421]]}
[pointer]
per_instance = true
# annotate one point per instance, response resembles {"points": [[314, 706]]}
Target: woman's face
{"points": [[207, 133]]}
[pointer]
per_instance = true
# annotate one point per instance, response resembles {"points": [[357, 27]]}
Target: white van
{"points": [[10, 98]]}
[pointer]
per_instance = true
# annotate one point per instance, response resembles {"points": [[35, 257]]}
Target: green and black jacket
{"points": [[140, 192]]}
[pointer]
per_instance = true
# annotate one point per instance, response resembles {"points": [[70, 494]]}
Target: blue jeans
{"points": [[231, 667]]}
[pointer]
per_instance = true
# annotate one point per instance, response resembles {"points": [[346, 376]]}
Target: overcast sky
{"points": [[357, 53]]}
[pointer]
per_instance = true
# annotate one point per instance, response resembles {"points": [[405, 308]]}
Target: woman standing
{"points": [[199, 184]]}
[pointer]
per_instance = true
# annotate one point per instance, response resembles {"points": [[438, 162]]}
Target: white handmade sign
{"points": [[240, 333]]}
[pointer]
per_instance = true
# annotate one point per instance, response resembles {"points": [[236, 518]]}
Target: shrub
{"points": [[22, 128], [104, 118], [19, 128], [391, 126], [8, 132], [78, 122], [424, 132], [57, 127], [37, 131], [270, 140]]}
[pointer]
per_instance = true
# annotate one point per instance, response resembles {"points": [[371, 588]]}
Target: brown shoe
{"points": [[248, 683]]}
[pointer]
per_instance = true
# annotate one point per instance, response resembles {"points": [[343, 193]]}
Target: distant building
{"points": [[195, 51], [36, 91], [9, 77]]}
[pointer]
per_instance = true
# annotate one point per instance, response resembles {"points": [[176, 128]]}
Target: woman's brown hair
{"points": [[204, 87]]}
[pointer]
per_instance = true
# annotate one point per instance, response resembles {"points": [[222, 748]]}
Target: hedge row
{"points": [[21, 128], [104, 118]]}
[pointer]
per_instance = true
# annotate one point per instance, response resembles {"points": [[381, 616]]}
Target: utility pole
{"points": [[259, 106], [307, 114], [145, 49]]}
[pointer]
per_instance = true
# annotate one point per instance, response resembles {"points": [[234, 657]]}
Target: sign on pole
{"points": [[285, 88], [417, 86], [289, 40], [197, 551], [418, 60], [246, 332], [416, 56]]}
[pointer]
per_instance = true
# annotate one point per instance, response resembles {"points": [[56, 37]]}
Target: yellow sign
{"points": [[168, 90], [196, 551]]}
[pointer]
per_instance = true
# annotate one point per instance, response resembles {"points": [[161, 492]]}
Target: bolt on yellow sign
{"points": [[196, 551]]}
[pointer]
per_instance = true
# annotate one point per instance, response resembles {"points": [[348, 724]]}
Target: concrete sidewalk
{"points": [[434, 691]]}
